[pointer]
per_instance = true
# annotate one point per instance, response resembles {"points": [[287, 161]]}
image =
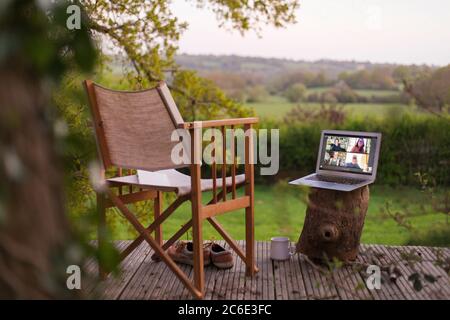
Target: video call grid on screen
{"points": [[348, 153]]}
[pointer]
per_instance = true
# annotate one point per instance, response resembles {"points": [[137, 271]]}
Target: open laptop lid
{"points": [[350, 154]]}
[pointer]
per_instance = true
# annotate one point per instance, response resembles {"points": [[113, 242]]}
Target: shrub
{"points": [[295, 92], [438, 236], [410, 144], [256, 93]]}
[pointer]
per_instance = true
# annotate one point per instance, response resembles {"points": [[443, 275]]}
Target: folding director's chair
{"points": [[133, 132]]}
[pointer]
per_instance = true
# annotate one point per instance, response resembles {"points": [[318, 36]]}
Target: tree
{"points": [[343, 93], [410, 72], [35, 237], [431, 91], [378, 79], [147, 33], [284, 81], [296, 92], [256, 93]]}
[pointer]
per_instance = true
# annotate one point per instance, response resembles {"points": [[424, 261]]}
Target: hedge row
{"points": [[410, 144]]}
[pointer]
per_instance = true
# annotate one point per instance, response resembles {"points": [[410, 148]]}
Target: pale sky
{"points": [[395, 31]]}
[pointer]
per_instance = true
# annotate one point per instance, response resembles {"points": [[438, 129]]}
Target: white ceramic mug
{"points": [[280, 248]]}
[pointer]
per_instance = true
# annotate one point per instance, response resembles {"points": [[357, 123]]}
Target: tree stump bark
{"points": [[333, 224]]}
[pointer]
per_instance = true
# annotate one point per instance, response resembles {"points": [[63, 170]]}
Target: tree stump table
{"points": [[333, 224]]}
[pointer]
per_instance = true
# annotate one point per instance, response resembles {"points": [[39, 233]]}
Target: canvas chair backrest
{"points": [[134, 128]]}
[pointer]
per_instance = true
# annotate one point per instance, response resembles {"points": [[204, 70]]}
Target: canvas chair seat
{"points": [[171, 180]]}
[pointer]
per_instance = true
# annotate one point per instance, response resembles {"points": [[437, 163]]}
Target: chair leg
{"points": [[199, 277], [251, 268], [157, 209], [197, 221], [101, 232], [250, 241]]}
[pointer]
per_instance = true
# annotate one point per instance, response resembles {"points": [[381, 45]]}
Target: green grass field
{"points": [[280, 211], [277, 107]]}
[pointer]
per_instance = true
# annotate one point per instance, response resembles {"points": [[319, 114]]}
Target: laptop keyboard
{"points": [[335, 179]]}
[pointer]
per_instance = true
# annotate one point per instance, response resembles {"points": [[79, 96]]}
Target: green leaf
{"points": [[413, 277], [430, 278], [417, 285], [360, 286]]}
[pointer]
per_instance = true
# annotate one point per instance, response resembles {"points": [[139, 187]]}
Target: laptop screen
{"points": [[348, 153]]}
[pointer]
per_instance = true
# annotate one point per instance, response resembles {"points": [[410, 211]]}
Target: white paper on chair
{"points": [[152, 178]]}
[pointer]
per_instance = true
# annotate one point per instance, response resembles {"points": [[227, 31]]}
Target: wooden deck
{"points": [[298, 278]]}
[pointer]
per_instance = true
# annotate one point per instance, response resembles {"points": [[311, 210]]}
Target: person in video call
{"points": [[336, 146], [334, 160], [354, 164], [359, 146]]}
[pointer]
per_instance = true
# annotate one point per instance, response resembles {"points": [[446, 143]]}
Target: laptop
{"points": [[347, 160]]}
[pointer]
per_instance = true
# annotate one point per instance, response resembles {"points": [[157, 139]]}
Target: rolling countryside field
{"points": [[276, 107]]}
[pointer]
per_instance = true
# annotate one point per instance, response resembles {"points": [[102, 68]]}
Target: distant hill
{"points": [[270, 66]]}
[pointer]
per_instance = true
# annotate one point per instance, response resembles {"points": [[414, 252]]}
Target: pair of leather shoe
{"points": [[183, 252]]}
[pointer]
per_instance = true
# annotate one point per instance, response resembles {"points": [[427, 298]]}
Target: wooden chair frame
{"points": [[219, 204]]}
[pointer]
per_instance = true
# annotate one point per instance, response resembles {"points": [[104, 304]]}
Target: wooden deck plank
{"points": [[295, 289], [320, 283], [306, 277], [183, 291], [257, 294], [210, 279], [255, 280], [218, 275], [312, 286], [364, 257], [169, 290], [223, 288], [158, 289], [388, 288], [431, 267], [148, 288], [402, 287], [437, 290], [427, 291], [326, 280], [288, 278], [279, 294], [142, 278], [300, 289], [264, 272], [180, 292], [398, 289], [269, 271], [241, 278], [342, 288], [260, 265], [357, 284], [248, 280], [144, 281], [233, 293], [114, 285], [97, 288], [90, 265], [230, 278]]}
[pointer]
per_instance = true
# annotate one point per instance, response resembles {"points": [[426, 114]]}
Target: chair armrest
{"points": [[217, 123]]}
